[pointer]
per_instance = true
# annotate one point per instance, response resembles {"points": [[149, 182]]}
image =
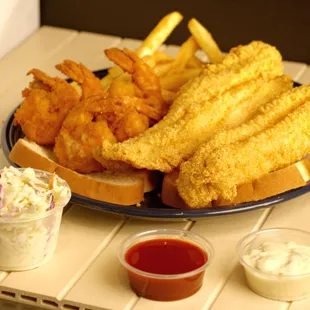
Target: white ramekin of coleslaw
{"points": [[31, 207]]}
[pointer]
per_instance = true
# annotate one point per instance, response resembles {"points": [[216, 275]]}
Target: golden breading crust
{"points": [[199, 110], [249, 152], [47, 102]]}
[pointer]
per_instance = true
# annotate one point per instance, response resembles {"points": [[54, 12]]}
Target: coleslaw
{"points": [[23, 193], [31, 206]]}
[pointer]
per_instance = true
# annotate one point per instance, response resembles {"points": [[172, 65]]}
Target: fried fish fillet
{"points": [[244, 154], [265, 117], [199, 110], [270, 89]]}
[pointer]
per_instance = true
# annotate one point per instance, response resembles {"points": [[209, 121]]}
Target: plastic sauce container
{"points": [[283, 287], [166, 264], [29, 242]]}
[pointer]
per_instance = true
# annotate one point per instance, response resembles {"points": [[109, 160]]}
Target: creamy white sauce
{"points": [[275, 258]]}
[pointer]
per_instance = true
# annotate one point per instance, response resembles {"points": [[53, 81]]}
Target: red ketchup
{"points": [[168, 262]]}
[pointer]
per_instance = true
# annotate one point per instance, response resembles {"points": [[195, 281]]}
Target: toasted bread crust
{"points": [[169, 194], [120, 188], [271, 184]]}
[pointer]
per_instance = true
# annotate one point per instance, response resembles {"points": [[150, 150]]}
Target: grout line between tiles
{"points": [[300, 73], [89, 262], [132, 304], [221, 285], [263, 219], [3, 275], [190, 225], [219, 288]]}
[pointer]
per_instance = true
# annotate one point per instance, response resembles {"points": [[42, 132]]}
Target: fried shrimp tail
{"points": [[90, 84], [276, 138], [47, 102], [145, 84]]}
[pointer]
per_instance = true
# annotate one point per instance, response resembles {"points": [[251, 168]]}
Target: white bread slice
{"points": [[169, 192], [271, 184], [274, 183], [124, 188]]}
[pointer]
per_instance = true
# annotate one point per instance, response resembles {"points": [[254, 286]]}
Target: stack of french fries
{"points": [[173, 73]]}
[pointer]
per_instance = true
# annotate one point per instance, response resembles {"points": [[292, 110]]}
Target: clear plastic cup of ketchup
{"points": [[166, 264]]}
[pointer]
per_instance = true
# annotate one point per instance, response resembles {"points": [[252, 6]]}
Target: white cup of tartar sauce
{"points": [[277, 263]]}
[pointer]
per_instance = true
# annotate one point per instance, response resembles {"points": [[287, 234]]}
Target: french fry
{"points": [[176, 81], [151, 44], [186, 52], [205, 41], [106, 82], [163, 68], [150, 60], [122, 86], [115, 72], [159, 34], [162, 57], [194, 62], [126, 77], [172, 72], [77, 87]]}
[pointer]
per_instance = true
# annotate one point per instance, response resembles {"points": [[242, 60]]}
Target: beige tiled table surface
{"points": [[84, 272]]}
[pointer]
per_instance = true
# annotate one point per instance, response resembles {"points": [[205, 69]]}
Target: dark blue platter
{"points": [[152, 207]]}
